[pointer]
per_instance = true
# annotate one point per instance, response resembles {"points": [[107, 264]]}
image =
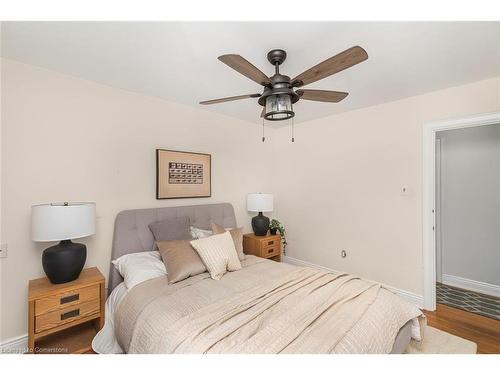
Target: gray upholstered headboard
{"points": [[132, 234]]}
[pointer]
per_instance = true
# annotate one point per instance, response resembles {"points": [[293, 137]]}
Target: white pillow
{"points": [[138, 267], [197, 233], [218, 254]]}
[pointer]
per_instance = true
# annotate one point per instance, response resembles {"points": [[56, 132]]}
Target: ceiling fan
{"points": [[279, 94]]}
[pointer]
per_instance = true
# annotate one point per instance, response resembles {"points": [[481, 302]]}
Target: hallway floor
{"points": [[467, 300]]}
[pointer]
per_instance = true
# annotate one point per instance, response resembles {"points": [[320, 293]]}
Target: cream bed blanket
{"points": [[266, 307]]}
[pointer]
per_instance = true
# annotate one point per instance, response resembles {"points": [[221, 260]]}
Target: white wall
{"points": [[470, 203], [66, 139], [338, 186]]}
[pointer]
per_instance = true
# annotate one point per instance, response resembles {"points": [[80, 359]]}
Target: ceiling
{"points": [[177, 61]]}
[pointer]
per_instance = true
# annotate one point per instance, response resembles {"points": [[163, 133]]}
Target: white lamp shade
{"points": [[258, 202], [62, 221]]}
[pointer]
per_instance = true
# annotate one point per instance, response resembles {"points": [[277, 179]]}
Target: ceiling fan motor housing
{"points": [[280, 85]]}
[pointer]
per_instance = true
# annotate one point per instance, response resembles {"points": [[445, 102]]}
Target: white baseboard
{"points": [[414, 298], [476, 286], [17, 345]]}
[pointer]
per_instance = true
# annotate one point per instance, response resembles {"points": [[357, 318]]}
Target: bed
{"points": [[266, 307]]}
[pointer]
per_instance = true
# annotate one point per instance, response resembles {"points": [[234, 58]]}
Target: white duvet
{"points": [[105, 340]]}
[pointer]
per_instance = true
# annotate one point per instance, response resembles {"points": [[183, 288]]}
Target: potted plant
{"points": [[274, 227]]}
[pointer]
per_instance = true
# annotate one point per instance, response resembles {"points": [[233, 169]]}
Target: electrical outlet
{"points": [[3, 250]]}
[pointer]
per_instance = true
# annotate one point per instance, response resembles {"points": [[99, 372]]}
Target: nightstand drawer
{"points": [[67, 299], [270, 242], [270, 250], [56, 318]]}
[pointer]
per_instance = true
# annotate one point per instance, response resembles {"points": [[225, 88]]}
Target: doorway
{"points": [[467, 219], [429, 195]]}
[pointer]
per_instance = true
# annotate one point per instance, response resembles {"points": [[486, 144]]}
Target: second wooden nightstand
{"points": [[263, 246], [64, 318]]}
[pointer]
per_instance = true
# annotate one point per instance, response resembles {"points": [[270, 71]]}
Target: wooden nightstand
{"points": [[64, 318], [263, 246]]}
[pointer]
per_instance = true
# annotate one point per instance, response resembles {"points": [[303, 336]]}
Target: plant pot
{"points": [[273, 231]]}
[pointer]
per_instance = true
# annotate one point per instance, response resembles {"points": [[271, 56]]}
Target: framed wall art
{"points": [[181, 174]]}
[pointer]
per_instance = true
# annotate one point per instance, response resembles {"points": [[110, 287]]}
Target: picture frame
{"points": [[183, 174]]}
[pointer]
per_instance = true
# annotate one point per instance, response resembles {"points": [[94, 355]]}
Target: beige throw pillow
{"points": [[181, 260], [236, 234], [218, 253]]}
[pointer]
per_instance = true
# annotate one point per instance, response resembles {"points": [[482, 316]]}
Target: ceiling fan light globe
{"points": [[279, 107]]}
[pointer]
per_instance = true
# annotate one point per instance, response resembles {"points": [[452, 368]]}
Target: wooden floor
{"points": [[485, 332]]}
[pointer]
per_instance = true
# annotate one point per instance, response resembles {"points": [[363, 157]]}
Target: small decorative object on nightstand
{"points": [[258, 202], [64, 318], [263, 246]]}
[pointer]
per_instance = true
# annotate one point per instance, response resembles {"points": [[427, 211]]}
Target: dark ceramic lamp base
{"points": [[260, 224], [64, 262]]}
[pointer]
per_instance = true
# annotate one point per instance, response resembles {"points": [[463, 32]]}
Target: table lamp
{"points": [[63, 222], [258, 202]]}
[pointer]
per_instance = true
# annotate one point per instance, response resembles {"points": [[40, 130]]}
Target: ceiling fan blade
{"points": [[335, 64], [322, 95], [244, 67], [230, 99]]}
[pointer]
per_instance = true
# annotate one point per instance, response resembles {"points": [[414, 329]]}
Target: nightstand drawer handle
{"points": [[270, 242], [70, 314], [74, 297], [270, 251]]}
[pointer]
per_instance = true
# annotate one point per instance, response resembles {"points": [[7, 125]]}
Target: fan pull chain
{"points": [[263, 133], [293, 130]]}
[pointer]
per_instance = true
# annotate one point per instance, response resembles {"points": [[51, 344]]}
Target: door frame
{"points": [[429, 194], [437, 212]]}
